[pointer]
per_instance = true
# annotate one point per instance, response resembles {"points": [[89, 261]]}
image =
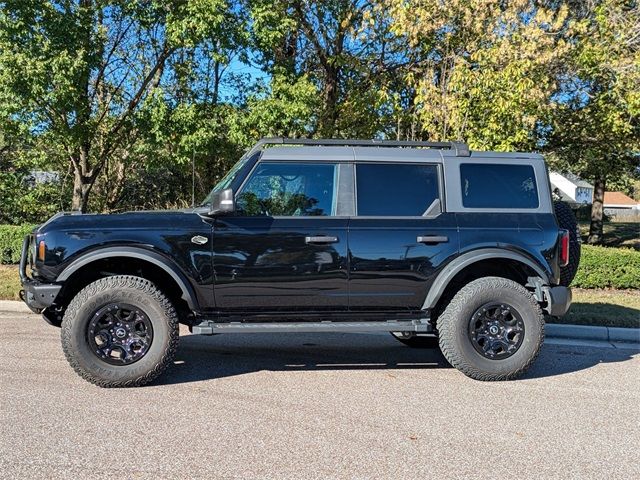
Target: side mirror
{"points": [[222, 203]]}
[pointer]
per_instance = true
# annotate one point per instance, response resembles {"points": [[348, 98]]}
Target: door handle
{"points": [[432, 239], [320, 239]]}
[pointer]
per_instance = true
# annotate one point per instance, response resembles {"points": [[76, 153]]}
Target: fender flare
{"points": [[188, 293], [455, 266]]}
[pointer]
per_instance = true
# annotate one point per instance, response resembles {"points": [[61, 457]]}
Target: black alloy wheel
{"points": [[496, 330], [120, 334]]}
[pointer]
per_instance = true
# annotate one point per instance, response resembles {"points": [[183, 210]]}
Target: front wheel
{"points": [[492, 329], [120, 331]]}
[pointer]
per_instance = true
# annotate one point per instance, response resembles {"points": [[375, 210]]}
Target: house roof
{"points": [[618, 198]]}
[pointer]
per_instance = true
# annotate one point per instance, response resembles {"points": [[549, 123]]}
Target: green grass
{"points": [[616, 234], [9, 282], [609, 308]]}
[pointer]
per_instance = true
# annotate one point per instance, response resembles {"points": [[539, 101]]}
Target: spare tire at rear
{"points": [[567, 221]]}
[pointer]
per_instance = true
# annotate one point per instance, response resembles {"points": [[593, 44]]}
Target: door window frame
{"points": [[343, 178]]}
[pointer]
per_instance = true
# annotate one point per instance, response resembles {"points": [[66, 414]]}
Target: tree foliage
{"points": [[595, 129], [123, 98]]}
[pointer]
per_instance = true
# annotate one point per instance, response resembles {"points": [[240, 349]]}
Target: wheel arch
{"points": [[161, 269], [478, 263]]}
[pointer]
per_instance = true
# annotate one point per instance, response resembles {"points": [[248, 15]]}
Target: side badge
{"points": [[199, 240]]}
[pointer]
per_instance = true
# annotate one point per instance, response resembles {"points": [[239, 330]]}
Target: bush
{"points": [[11, 238], [607, 267]]}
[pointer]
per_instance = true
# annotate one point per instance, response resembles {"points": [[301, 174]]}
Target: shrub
{"points": [[11, 237], [607, 267]]}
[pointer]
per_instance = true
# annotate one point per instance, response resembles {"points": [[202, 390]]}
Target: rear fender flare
{"points": [[469, 258]]}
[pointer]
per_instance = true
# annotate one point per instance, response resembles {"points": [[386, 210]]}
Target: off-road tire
{"points": [[455, 341], [567, 220], [135, 291], [416, 341]]}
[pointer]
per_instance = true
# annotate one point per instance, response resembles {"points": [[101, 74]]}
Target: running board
{"points": [[210, 328]]}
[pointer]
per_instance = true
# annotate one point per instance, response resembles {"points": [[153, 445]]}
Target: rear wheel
{"points": [[567, 221], [120, 331], [413, 340], [492, 329]]}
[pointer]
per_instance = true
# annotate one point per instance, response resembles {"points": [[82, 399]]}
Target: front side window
{"points": [[498, 186], [395, 189], [289, 189]]}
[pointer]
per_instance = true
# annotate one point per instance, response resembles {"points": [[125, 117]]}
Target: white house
{"points": [[571, 188]]}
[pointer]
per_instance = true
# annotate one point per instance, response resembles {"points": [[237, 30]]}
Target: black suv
{"points": [[420, 239]]}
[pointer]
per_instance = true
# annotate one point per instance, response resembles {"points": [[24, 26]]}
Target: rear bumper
{"points": [[558, 300]]}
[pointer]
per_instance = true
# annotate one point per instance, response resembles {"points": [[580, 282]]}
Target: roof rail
{"points": [[461, 149]]}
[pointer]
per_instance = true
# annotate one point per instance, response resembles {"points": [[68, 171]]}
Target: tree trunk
{"points": [[329, 113], [82, 179], [597, 212], [81, 189]]}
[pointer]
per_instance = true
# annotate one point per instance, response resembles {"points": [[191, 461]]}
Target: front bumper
{"points": [[558, 300], [37, 295]]}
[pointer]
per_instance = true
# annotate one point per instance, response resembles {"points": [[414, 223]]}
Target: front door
{"points": [[400, 238], [285, 249]]}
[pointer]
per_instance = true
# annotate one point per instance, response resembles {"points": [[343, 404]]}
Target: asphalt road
{"points": [[316, 406]]}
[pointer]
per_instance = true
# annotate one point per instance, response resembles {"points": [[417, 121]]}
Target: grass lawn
{"points": [[616, 234], [9, 282], [611, 308]]}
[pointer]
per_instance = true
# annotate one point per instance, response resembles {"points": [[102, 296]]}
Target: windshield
{"points": [[226, 180]]}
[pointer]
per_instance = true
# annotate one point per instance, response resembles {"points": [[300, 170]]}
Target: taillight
{"points": [[564, 248]]}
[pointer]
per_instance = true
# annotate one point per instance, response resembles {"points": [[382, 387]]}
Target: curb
{"points": [[601, 334], [13, 306], [552, 330]]}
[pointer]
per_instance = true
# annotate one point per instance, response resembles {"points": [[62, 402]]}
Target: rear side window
{"points": [[395, 189], [498, 186]]}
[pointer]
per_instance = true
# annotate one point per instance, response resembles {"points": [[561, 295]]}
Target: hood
{"points": [[143, 219]]}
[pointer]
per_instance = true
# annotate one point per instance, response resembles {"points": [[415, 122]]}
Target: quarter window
{"points": [[498, 186], [289, 189], [395, 189]]}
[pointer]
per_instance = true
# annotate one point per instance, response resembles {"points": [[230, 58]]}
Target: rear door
{"points": [[401, 236]]}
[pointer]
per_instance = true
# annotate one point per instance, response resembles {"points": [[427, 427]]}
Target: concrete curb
{"points": [[552, 330], [601, 334], [13, 306]]}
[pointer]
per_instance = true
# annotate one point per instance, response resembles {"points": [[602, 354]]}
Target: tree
{"points": [[596, 127], [333, 45], [482, 71], [81, 70]]}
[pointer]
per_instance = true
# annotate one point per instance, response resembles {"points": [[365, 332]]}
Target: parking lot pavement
{"points": [[320, 406]]}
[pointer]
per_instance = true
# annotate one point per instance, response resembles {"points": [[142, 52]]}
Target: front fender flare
{"points": [[455, 266], [188, 293]]}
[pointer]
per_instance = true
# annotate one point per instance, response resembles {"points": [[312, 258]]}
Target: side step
{"points": [[209, 328]]}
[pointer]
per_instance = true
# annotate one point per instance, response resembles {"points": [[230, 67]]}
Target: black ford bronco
{"points": [[428, 241]]}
